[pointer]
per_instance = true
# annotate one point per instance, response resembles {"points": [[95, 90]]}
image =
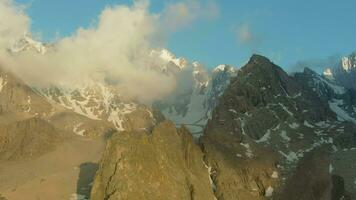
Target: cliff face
{"points": [[28, 138], [160, 164]]}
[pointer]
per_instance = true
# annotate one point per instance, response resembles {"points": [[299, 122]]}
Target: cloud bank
{"points": [[116, 50], [13, 22]]}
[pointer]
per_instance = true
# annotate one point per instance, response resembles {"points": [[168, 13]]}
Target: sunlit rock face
{"points": [[160, 164]]}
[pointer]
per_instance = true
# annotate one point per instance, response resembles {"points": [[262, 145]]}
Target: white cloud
{"points": [[13, 22], [116, 49]]}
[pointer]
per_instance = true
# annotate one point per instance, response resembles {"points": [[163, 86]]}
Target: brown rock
{"points": [[162, 164], [28, 138]]}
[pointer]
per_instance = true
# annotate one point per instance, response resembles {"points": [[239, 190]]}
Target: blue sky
{"points": [[285, 31]]}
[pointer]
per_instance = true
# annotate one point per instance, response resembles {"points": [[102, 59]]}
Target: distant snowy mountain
{"points": [[95, 101], [191, 103], [194, 105], [344, 73], [167, 57], [28, 43]]}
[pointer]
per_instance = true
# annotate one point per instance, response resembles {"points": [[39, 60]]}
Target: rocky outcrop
{"points": [[28, 138], [2, 198], [312, 179], [160, 164]]}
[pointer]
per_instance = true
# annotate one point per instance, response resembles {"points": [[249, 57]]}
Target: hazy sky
{"points": [[285, 31]]}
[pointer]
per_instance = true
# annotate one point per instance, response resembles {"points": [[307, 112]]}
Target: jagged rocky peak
{"points": [[167, 61], [160, 164], [224, 68], [265, 75], [260, 64]]}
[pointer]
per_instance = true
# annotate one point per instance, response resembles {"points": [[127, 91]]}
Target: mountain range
{"points": [[253, 132]]}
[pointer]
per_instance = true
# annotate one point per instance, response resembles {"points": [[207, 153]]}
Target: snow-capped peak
{"points": [[27, 43], [224, 68], [220, 68], [167, 57]]}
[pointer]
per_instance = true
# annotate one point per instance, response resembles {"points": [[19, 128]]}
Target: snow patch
{"points": [[341, 114], [233, 111], [322, 124], [307, 124], [291, 156], [294, 125], [265, 137], [331, 168], [210, 173], [286, 109], [269, 191], [274, 175], [284, 136], [3, 82], [248, 153], [77, 131], [28, 103], [116, 119]]}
